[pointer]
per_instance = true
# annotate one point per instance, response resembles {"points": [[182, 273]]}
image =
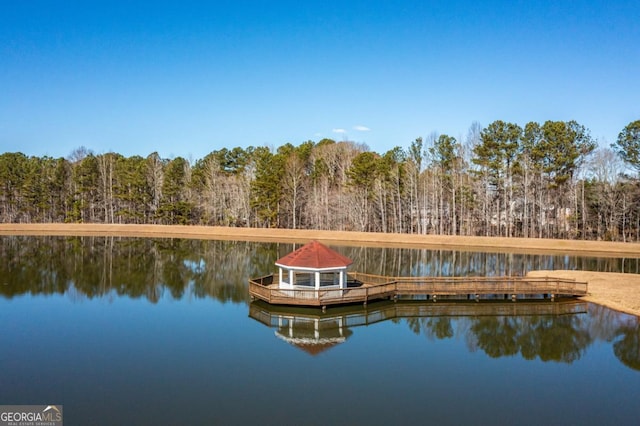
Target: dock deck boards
{"points": [[363, 288]]}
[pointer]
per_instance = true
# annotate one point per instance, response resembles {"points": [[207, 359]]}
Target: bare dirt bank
{"points": [[617, 291], [515, 245], [620, 292]]}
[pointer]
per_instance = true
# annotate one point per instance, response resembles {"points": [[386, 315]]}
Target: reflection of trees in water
{"points": [[424, 262], [561, 338], [623, 330], [144, 267], [627, 348], [604, 323], [549, 338], [152, 268], [501, 329], [432, 327]]}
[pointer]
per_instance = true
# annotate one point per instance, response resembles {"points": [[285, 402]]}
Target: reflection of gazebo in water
{"points": [[307, 329], [312, 334], [313, 265]]}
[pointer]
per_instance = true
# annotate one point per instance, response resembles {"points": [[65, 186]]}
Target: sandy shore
{"points": [[620, 292], [617, 291]]}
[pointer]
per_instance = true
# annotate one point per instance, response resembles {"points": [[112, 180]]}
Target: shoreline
{"points": [[617, 291], [375, 239]]}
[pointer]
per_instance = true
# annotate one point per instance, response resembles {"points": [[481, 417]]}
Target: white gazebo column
{"points": [[317, 278], [280, 274], [342, 280]]}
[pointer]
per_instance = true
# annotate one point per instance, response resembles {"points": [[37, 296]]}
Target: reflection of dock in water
{"points": [[315, 331]]}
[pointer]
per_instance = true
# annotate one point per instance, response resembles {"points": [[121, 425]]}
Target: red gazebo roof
{"points": [[316, 256]]}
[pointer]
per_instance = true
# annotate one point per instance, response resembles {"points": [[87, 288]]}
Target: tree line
{"points": [[547, 180]]}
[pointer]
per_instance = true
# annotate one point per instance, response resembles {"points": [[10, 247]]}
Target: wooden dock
{"points": [[364, 288]]}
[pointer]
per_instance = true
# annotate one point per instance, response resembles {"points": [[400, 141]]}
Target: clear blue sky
{"points": [[186, 78]]}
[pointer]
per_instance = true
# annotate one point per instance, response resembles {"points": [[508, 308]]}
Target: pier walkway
{"points": [[364, 288]]}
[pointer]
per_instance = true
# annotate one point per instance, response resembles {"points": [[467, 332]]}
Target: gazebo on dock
{"points": [[313, 266]]}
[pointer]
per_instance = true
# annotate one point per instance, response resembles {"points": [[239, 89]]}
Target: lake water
{"points": [[161, 331]]}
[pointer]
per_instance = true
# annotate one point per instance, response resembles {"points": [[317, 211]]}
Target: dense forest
{"points": [[547, 180]]}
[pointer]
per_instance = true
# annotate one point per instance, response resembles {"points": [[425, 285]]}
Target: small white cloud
{"points": [[339, 131], [361, 128]]}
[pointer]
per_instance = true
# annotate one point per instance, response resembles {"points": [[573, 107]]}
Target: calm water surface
{"points": [[133, 331]]}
